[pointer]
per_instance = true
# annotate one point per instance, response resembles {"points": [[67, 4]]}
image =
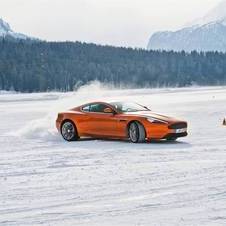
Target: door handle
{"points": [[122, 120]]}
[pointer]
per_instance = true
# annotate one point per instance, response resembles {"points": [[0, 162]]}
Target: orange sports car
{"points": [[121, 120]]}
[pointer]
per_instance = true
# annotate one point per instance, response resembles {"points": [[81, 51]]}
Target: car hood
{"points": [[153, 115]]}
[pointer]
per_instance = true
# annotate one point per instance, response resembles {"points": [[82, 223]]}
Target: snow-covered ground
{"points": [[46, 181]]}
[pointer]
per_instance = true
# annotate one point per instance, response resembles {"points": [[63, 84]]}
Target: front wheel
{"points": [[69, 131], [136, 132]]}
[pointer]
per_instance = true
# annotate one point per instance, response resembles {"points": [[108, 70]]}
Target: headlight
{"points": [[158, 121]]}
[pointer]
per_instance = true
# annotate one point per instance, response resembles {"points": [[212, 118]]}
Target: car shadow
{"points": [[166, 143]]}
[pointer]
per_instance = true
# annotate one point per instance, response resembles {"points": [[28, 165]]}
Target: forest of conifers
{"points": [[27, 66]]}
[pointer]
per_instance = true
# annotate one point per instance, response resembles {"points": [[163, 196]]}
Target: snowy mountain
{"points": [[205, 34], [6, 31], [216, 14]]}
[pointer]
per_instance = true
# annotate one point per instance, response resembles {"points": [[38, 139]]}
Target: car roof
{"points": [[96, 102]]}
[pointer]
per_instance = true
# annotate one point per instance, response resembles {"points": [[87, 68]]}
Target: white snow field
{"points": [[47, 181]]}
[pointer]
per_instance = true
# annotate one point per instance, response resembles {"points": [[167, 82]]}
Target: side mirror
{"points": [[108, 111]]}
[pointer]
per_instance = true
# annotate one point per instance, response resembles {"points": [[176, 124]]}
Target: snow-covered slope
{"points": [[47, 181], [6, 31], [205, 34]]}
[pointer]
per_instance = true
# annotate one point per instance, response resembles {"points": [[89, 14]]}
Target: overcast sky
{"points": [[114, 22]]}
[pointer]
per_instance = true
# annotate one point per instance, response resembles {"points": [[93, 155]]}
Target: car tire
{"points": [[69, 131], [136, 132]]}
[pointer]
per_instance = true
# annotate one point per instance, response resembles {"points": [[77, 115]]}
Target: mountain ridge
{"points": [[205, 34], [7, 32]]}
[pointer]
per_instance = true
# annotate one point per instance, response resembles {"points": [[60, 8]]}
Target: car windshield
{"points": [[128, 107]]}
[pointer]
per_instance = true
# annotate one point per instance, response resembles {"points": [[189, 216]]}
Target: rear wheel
{"points": [[136, 132], [69, 131]]}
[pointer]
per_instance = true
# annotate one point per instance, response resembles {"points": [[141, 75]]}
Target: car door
{"points": [[100, 123]]}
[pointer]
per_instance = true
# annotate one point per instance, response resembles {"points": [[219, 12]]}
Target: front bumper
{"points": [[175, 135]]}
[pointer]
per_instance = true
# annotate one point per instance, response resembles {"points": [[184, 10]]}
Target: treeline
{"points": [[43, 66]]}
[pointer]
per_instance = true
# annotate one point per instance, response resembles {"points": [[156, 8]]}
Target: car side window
{"points": [[99, 108], [86, 108]]}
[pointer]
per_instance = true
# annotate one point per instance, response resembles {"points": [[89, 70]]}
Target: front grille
{"points": [[179, 125]]}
